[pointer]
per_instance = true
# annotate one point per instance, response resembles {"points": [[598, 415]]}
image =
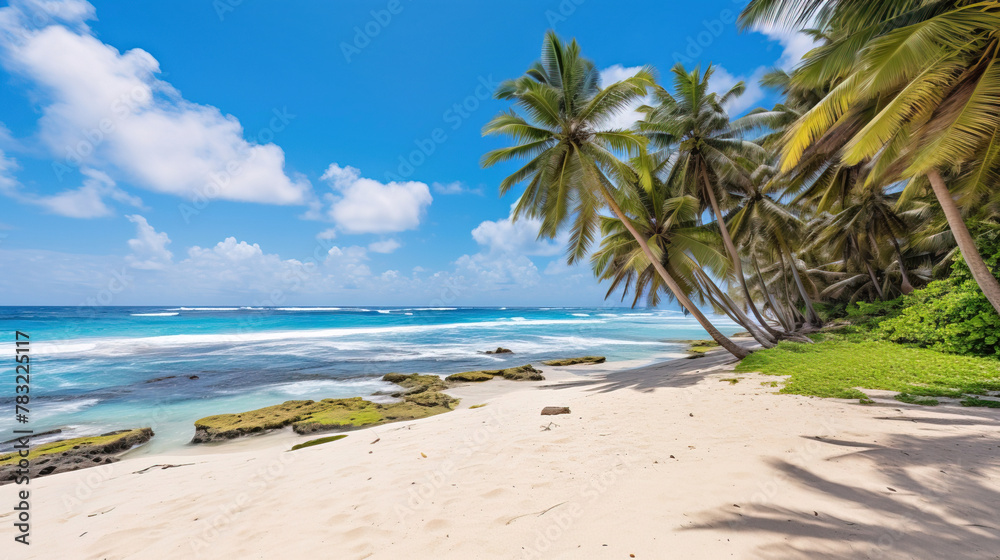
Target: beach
{"points": [[669, 460]]}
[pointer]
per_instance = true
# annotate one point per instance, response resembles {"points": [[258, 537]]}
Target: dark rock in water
{"points": [[154, 380], [193, 377], [553, 410], [500, 350], [73, 454]]}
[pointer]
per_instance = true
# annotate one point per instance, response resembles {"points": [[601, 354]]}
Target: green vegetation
{"points": [[731, 380], [575, 361], [973, 401], [112, 442], [914, 399], [479, 405], [319, 441], [415, 382], [836, 367], [522, 373], [951, 315]]}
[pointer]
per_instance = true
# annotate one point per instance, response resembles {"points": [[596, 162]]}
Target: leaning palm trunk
{"points": [[871, 273], [734, 256], [811, 316], [727, 304], [987, 282], [732, 347], [905, 286], [779, 313]]}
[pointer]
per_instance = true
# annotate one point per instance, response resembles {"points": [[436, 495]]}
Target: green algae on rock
{"points": [[575, 361], [308, 417], [522, 373], [73, 454]]}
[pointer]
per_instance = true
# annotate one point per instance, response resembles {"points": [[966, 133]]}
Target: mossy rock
{"points": [[522, 373], [471, 376], [308, 417], [415, 383], [77, 453], [575, 361]]}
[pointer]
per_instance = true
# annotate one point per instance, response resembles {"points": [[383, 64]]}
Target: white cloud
{"points": [[722, 80], [86, 201], [794, 44], [520, 237], [102, 107], [617, 73], [328, 233], [149, 248], [455, 187], [365, 205], [385, 247]]}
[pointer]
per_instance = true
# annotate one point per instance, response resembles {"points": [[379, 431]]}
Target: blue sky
{"points": [[248, 152]]}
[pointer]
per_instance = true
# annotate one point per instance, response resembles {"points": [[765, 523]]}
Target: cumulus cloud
{"points": [[149, 248], [722, 80], [86, 201], [617, 73], [384, 247], [363, 205], [328, 233], [794, 43], [520, 237], [102, 107]]}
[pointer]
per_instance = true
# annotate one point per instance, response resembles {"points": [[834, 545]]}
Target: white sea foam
{"points": [[581, 314], [206, 309], [122, 346], [155, 314], [384, 311]]}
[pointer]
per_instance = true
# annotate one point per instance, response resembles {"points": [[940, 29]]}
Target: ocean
{"points": [[97, 369]]}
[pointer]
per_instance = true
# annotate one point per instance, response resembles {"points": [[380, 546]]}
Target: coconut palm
{"points": [[572, 153], [926, 76], [694, 121], [669, 220]]}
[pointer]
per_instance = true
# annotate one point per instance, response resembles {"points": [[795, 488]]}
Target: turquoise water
{"points": [[98, 369]]}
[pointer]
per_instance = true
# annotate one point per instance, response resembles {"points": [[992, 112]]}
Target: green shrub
{"points": [[951, 315]]}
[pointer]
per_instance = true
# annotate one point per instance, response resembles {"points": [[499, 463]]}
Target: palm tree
{"points": [[926, 75], [668, 220], [571, 153], [694, 120]]}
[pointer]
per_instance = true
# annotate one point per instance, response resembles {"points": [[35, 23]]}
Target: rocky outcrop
{"points": [[500, 350], [522, 373], [421, 399], [575, 361], [74, 454]]}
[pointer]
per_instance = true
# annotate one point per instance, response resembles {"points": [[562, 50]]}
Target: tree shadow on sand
{"points": [[933, 498], [674, 373]]}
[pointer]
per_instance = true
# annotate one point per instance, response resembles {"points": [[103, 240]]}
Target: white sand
{"points": [[753, 475]]}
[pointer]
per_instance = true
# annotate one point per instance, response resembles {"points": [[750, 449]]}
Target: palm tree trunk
{"points": [[778, 312], [811, 314], [735, 313], [732, 347], [727, 240], [905, 286], [987, 282], [878, 289]]}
